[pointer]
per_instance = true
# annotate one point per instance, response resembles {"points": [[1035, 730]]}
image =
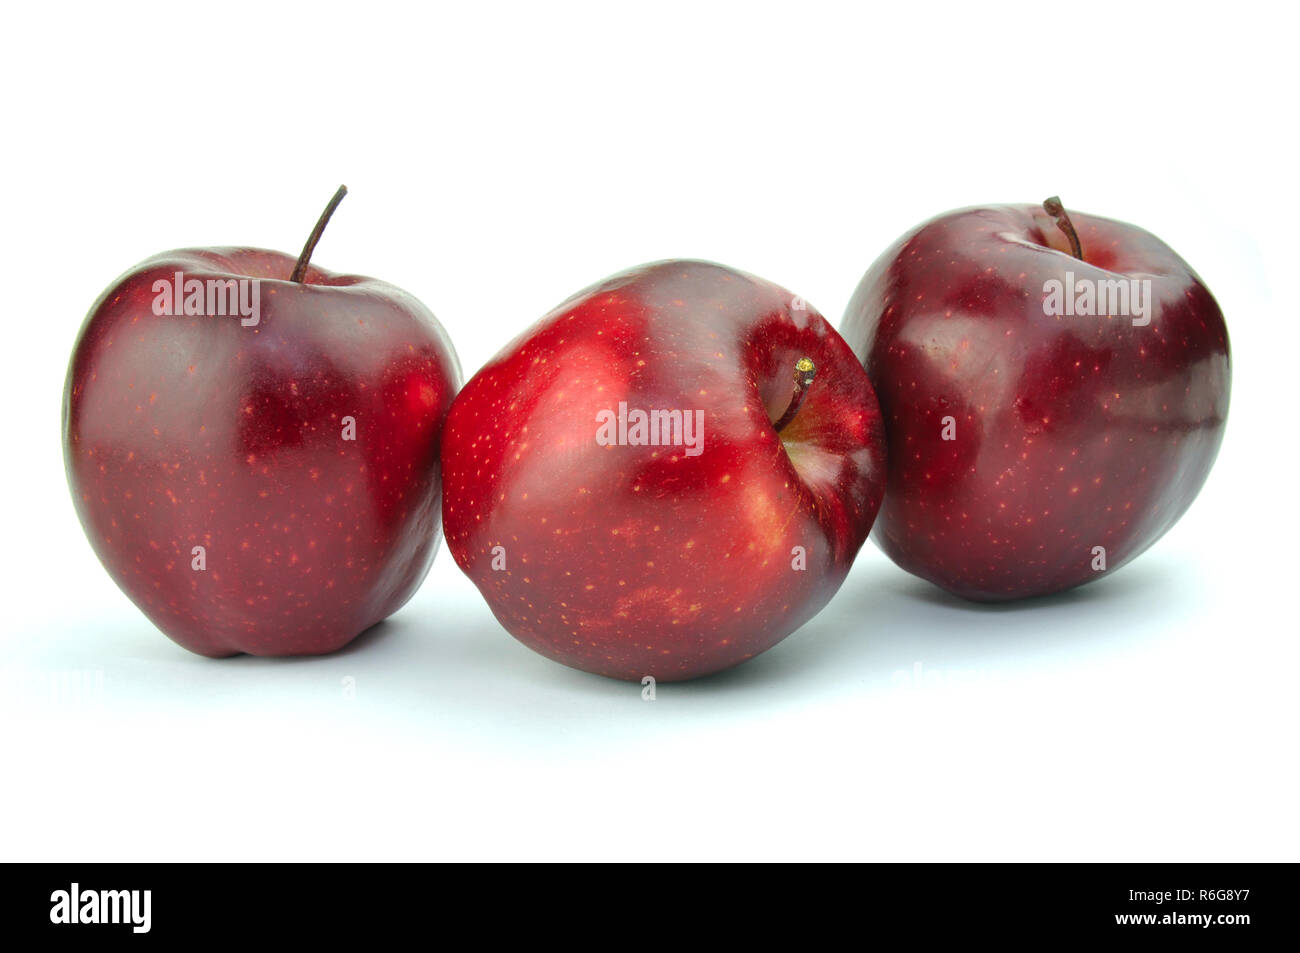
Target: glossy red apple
{"points": [[610, 535], [1054, 395], [261, 480]]}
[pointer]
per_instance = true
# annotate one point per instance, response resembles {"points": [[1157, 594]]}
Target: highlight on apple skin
{"points": [[260, 479], [666, 475], [1054, 387]]}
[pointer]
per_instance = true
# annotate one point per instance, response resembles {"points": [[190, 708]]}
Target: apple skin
{"points": [[199, 431], [1070, 432], [634, 561]]}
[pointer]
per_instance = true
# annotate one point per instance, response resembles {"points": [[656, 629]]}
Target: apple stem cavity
{"points": [[804, 372], [300, 269], [1054, 208]]}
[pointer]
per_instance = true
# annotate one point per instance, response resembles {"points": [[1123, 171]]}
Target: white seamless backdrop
{"points": [[502, 156]]}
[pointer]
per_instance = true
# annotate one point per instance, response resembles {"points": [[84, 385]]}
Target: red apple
{"points": [[1054, 393], [666, 475], [258, 469]]}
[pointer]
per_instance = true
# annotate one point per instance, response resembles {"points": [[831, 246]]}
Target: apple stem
{"points": [[804, 371], [1054, 208], [300, 269]]}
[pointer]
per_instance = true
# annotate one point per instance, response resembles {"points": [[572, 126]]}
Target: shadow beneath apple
{"points": [[884, 622], [442, 666], [382, 629]]}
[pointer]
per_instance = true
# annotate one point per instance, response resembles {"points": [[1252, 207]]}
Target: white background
{"points": [[503, 157]]}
